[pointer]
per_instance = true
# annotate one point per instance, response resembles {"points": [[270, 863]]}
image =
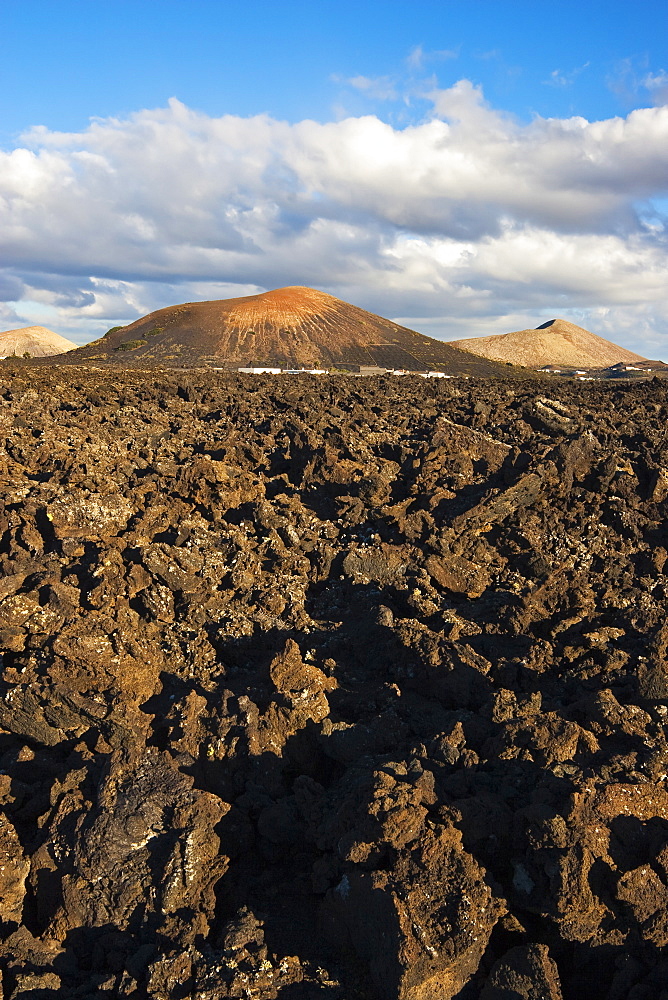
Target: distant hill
{"points": [[288, 327], [556, 342], [37, 341]]}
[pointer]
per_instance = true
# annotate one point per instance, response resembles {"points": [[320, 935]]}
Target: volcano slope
{"points": [[556, 342], [34, 341], [341, 688], [291, 327]]}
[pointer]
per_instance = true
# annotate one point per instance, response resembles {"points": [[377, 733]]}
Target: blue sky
{"points": [[455, 143], [63, 62]]}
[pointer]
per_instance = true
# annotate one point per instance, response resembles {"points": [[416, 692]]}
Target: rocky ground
{"points": [[343, 688]]}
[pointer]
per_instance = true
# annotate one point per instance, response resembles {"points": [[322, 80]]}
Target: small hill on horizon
{"points": [[37, 341], [556, 342], [291, 327]]}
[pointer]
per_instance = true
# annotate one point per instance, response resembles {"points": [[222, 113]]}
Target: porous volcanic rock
{"points": [[342, 688], [36, 341], [556, 342], [291, 327]]}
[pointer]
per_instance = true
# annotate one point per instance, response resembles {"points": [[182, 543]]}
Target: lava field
{"points": [[339, 687]]}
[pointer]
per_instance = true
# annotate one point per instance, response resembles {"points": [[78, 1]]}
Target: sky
{"points": [[465, 168]]}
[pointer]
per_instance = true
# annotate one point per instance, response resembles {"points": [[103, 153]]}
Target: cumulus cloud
{"points": [[467, 217]]}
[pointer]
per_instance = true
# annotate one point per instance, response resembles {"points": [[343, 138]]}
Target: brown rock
{"points": [[292, 677], [384, 564], [644, 892], [96, 515], [523, 973], [421, 927], [14, 869], [458, 575], [144, 804]]}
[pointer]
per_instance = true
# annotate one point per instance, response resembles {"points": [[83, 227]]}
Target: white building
{"points": [[260, 371]]}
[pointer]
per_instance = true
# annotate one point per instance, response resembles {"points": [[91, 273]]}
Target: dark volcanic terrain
{"points": [[343, 688], [291, 327]]}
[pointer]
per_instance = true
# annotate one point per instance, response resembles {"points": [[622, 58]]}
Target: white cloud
{"points": [[633, 83], [467, 218], [564, 78], [415, 58], [418, 56], [657, 85], [380, 88]]}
